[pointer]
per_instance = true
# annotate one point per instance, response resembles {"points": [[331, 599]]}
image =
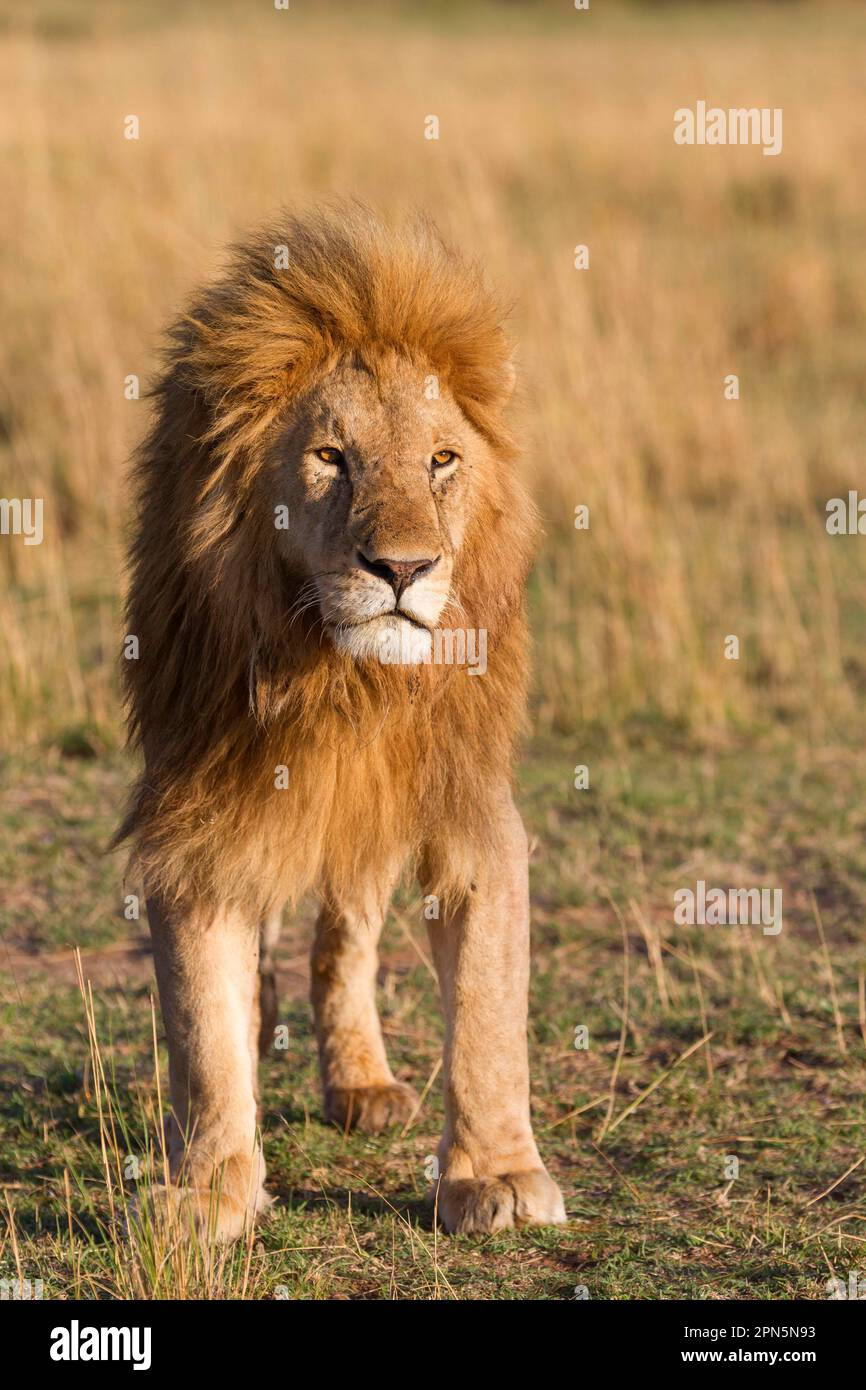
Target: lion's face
{"points": [[376, 477]]}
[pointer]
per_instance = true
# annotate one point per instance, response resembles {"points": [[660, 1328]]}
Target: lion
{"points": [[328, 486]]}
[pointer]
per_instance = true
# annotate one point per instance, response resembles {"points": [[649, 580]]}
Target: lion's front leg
{"points": [[206, 968], [491, 1174]]}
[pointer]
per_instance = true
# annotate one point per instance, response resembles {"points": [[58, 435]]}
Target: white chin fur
{"points": [[390, 640]]}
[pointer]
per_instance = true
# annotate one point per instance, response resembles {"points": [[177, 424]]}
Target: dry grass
{"points": [[707, 515]]}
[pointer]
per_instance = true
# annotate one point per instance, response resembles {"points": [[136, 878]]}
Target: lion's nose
{"points": [[398, 573]]}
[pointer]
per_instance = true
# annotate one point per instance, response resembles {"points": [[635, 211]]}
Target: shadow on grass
{"points": [[417, 1210]]}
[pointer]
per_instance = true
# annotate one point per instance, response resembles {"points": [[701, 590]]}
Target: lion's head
{"points": [[376, 471], [328, 482]]}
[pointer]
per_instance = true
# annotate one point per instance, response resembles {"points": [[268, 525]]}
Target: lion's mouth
{"points": [[384, 617], [391, 638]]}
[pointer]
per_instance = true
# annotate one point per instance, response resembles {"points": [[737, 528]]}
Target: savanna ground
{"points": [[707, 519]]}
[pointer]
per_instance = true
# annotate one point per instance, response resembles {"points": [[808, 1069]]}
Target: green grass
{"points": [[652, 1215]]}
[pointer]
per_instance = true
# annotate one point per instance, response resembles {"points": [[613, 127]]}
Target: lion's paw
{"points": [[469, 1206], [188, 1213], [370, 1109]]}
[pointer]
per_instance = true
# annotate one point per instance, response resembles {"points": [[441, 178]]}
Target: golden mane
{"points": [[226, 688]]}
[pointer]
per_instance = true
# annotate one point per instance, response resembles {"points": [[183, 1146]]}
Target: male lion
{"points": [[328, 471]]}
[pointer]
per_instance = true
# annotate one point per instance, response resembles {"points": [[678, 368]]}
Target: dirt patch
{"points": [[129, 962]]}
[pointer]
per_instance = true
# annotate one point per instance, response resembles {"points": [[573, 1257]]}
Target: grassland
{"points": [[779, 1086], [707, 515], [707, 519]]}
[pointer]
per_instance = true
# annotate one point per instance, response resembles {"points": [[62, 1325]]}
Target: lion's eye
{"points": [[330, 456], [443, 457]]}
